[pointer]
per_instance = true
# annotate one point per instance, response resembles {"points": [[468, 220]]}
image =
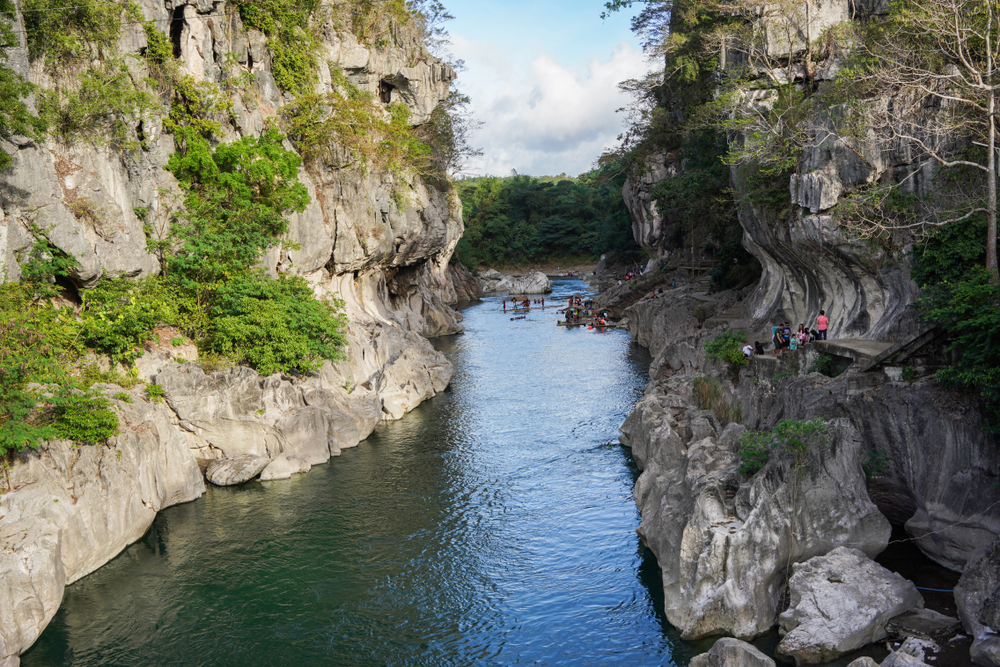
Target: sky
{"points": [[543, 77]]}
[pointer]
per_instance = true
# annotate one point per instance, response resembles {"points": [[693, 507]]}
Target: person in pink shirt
{"points": [[821, 323]]}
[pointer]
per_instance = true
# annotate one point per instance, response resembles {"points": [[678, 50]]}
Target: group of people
{"points": [[783, 338], [526, 303]]}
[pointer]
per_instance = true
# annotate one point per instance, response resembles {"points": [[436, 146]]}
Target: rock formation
{"points": [[724, 542], [976, 596], [380, 241], [840, 602], [533, 282], [728, 652]]}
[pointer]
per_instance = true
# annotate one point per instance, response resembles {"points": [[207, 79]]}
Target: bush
{"points": [[727, 347], [155, 393], [275, 325], [754, 447], [708, 396], [795, 437]]}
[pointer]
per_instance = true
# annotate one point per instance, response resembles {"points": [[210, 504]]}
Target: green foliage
{"points": [[275, 325], [795, 437], [83, 417], [823, 364], [122, 396], [36, 341], [522, 219], [754, 447], [66, 33], [120, 315], [293, 46], [235, 198], [155, 393], [947, 253], [969, 310], [348, 128], [159, 50], [15, 116], [41, 264], [875, 464], [105, 105], [727, 347]]}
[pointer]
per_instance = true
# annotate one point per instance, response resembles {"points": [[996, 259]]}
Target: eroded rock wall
{"points": [[379, 241]]}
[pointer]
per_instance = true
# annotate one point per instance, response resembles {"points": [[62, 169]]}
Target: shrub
{"points": [[727, 347], [795, 437], [235, 197], [708, 396], [754, 446], [155, 393], [823, 364], [275, 325]]}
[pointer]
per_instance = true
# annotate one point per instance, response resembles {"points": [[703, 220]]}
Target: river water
{"points": [[488, 527]]}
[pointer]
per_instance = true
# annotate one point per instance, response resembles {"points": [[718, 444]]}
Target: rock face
{"points": [[729, 652], [976, 597], [840, 602], [724, 542], [467, 287], [75, 508], [380, 241]]}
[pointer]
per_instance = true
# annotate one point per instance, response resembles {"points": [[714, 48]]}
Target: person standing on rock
{"points": [[822, 322]]}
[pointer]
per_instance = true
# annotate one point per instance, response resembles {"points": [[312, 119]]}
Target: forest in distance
{"points": [[518, 219]]}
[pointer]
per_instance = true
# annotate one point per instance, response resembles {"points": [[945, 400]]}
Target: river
{"points": [[488, 527]]}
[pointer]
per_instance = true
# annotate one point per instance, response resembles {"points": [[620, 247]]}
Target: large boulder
{"points": [[533, 282], [840, 602], [729, 652], [237, 470], [911, 653], [975, 597], [283, 467], [724, 542]]}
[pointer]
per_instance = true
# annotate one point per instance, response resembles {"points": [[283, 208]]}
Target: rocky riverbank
{"points": [[381, 241], [734, 549]]}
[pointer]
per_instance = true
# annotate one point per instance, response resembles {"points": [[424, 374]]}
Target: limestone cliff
{"points": [[379, 240], [810, 263]]}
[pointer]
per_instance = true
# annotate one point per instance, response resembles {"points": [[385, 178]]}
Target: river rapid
{"points": [[488, 527]]}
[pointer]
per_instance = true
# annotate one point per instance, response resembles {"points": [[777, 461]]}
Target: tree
{"points": [[927, 78]]}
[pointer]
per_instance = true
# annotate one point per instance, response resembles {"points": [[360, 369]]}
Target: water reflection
{"points": [[486, 528]]}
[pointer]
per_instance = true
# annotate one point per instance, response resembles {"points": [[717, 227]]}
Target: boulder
{"points": [[237, 470], [304, 434], [533, 282], [729, 652], [864, 661], [973, 595], [840, 602], [911, 653], [283, 467], [924, 624]]}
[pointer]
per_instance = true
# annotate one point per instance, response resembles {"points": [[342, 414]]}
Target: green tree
{"points": [[15, 116]]}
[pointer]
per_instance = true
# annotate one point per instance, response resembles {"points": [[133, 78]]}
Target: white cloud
{"points": [[539, 116]]}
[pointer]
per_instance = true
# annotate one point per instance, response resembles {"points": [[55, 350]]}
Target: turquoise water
{"points": [[488, 527]]}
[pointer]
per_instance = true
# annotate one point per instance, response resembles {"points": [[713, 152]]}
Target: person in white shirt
{"points": [[748, 350]]}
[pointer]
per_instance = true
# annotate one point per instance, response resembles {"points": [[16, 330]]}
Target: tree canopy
{"points": [[521, 219]]}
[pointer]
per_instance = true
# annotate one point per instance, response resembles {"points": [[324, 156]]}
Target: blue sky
{"points": [[543, 80]]}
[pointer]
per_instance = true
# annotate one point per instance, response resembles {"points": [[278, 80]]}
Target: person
{"points": [[786, 335], [802, 335], [776, 339], [822, 322], [748, 350], [543, 303], [758, 347], [505, 305]]}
